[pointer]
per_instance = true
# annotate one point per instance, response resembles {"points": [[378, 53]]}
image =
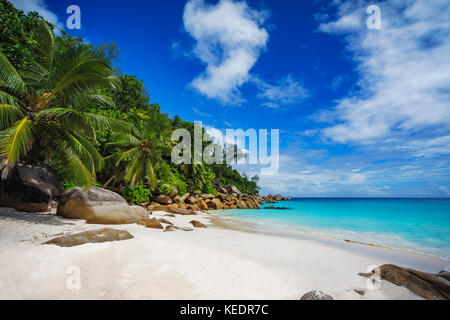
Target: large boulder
{"points": [[185, 196], [163, 199], [190, 200], [30, 188], [233, 189], [93, 236], [98, 205], [173, 193], [207, 196], [427, 285]]}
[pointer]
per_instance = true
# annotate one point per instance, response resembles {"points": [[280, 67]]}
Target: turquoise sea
{"points": [[421, 225]]}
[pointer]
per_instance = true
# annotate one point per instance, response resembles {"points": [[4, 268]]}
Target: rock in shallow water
{"points": [[426, 285], [316, 295], [93, 236]]}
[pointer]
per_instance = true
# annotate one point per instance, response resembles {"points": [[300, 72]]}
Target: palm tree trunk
{"points": [[109, 181]]}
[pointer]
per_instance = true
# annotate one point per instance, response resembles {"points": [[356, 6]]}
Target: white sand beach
{"points": [[218, 262]]}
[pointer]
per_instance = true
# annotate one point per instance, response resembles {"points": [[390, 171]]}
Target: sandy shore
{"points": [[219, 262]]}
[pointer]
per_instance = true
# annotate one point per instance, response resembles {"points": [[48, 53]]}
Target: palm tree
{"points": [[140, 158], [41, 108]]}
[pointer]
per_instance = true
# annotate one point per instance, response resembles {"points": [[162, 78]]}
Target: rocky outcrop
{"points": [[274, 199], [316, 295], [98, 205], [30, 188], [427, 285], [277, 208], [228, 198], [93, 236]]}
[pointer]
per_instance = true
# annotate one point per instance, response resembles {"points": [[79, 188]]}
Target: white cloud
{"points": [[40, 7], [200, 113], [229, 39], [428, 147], [405, 83], [286, 91]]}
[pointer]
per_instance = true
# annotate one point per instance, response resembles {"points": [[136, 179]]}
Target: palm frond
{"points": [[9, 114], [81, 69], [135, 170], [100, 122], [103, 99], [77, 152], [68, 118], [7, 98], [124, 140], [151, 175], [123, 156], [15, 142], [10, 76], [46, 48]]}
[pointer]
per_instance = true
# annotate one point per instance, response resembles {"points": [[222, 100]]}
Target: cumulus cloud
{"points": [[40, 7], [404, 78], [229, 39]]}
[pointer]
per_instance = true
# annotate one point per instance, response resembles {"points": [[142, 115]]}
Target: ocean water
{"points": [[421, 225]]}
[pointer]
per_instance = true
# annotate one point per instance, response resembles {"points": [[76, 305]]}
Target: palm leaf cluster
{"points": [[141, 152], [40, 108]]}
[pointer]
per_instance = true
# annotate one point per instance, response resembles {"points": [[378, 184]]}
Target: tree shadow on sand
{"points": [[36, 218]]}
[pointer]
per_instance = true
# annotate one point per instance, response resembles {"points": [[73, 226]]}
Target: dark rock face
{"points": [[30, 188], [278, 208], [427, 285], [94, 236], [316, 295], [98, 205]]}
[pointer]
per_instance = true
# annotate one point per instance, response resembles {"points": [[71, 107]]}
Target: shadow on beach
{"points": [[46, 218]]}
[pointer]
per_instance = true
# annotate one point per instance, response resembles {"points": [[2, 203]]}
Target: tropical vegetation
{"points": [[63, 103]]}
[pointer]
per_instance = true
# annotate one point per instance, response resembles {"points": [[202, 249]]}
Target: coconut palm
{"points": [[40, 108], [142, 150]]}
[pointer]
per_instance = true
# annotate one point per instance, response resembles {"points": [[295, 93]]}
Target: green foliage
{"points": [[18, 35], [68, 184], [209, 189], [179, 181], [60, 104], [165, 188], [136, 194]]}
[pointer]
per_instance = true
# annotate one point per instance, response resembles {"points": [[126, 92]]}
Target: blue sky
{"points": [[361, 112]]}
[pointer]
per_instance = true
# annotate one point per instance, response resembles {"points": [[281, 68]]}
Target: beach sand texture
{"points": [[218, 262]]}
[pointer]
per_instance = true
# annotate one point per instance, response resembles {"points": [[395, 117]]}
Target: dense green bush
{"points": [[136, 194], [165, 188]]}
